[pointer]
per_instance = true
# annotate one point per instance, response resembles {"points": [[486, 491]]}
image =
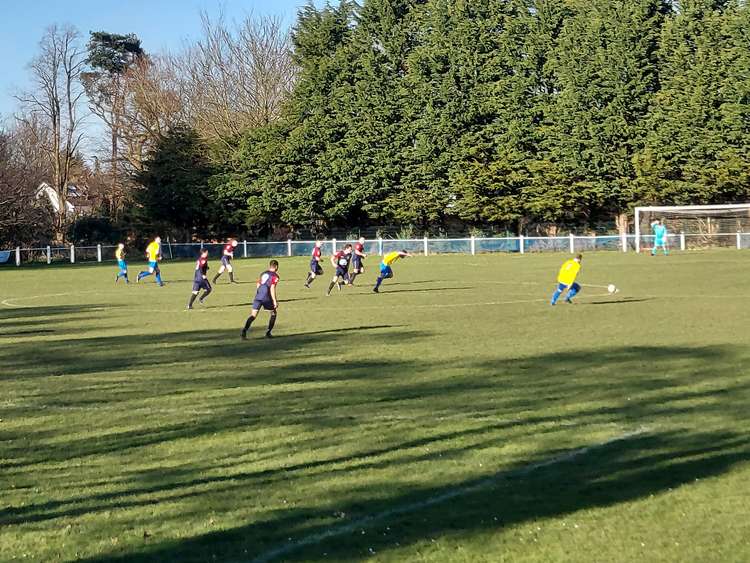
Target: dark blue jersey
{"points": [[201, 268], [267, 280]]}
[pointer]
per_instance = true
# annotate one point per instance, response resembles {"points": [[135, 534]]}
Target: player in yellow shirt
{"points": [[385, 267], [566, 279], [120, 257], [153, 255]]}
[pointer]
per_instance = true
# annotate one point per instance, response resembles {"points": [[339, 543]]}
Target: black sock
{"points": [[192, 299], [330, 287], [205, 294], [248, 322], [271, 322], [309, 279], [231, 277], [351, 278], [216, 277]]}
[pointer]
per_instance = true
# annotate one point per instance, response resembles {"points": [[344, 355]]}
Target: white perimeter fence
{"points": [[426, 246]]}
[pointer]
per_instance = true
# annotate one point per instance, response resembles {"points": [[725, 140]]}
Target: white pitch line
{"points": [[487, 483]]}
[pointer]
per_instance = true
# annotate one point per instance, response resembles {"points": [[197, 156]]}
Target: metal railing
{"points": [[426, 246]]}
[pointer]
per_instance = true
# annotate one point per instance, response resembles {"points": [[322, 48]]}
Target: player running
{"points": [[660, 237], [385, 267], [566, 279], [120, 257], [153, 255], [358, 259], [200, 280], [227, 255], [341, 261], [315, 267], [265, 297]]}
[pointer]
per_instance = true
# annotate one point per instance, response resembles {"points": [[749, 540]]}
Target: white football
{"points": [[611, 288]]}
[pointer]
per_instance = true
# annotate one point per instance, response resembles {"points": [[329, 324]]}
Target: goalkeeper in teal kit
{"points": [[660, 237]]}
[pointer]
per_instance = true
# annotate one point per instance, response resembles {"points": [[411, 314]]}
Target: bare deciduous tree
{"points": [[235, 77], [54, 102]]}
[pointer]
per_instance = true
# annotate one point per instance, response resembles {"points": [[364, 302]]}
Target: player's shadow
{"points": [[340, 330], [384, 289]]}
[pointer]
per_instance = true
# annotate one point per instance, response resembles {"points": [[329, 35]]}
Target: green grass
{"points": [[442, 420]]}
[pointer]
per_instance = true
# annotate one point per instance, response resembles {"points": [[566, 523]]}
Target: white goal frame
{"points": [[667, 208]]}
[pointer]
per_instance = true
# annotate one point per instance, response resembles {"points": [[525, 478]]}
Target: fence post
{"points": [[18, 256], [682, 241], [572, 243], [98, 252], [72, 254], [288, 247], [380, 246], [624, 241], [49, 255], [521, 244], [473, 245], [425, 245], [333, 244], [739, 240], [201, 246], [244, 249]]}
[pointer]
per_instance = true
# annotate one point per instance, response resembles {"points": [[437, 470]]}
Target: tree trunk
{"points": [[621, 220]]}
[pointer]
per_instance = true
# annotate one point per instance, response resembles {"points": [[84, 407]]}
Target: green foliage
{"points": [[112, 53], [509, 112], [92, 230], [175, 182]]}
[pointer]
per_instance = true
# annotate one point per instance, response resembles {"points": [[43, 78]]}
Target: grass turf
{"points": [[454, 417]]}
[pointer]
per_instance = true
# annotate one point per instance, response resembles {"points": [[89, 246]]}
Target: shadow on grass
{"points": [[306, 381]]}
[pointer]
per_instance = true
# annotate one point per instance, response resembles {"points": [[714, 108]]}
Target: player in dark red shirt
{"points": [[227, 255], [265, 297], [315, 259], [341, 261], [200, 280], [358, 259]]}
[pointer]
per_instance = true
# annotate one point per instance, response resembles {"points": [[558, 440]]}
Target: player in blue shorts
{"points": [[121, 264], [341, 261], [358, 259], [385, 267], [153, 255], [227, 255], [315, 259], [660, 237], [265, 298], [200, 280]]}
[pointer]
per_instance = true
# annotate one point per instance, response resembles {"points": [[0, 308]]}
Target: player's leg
{"points": [[561, 287], [219, 272], [271, 323], [385, 273], [334, 282], [230, 269], [250, 319], [193, 296], [157, 271], [572, 292], [145, 273], [206, 292]]}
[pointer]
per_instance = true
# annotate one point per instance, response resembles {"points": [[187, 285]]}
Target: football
{"points": [[611, 288]]}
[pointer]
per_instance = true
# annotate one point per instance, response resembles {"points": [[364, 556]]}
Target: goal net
{"points": [[695, 226]]}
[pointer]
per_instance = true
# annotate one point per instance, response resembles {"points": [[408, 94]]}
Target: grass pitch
{"points": [[454, 417]]}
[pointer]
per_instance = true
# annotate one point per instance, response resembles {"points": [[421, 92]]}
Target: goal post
{"points": [[694, 226]]}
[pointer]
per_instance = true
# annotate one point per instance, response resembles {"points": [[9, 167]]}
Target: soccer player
{"points": [[660, 237], [200, 280], [227, 255], [153, 255], [385, 267], [566, 279], [120, 256], [358, 259], [341, 261], [265, 297], [315, 259]]}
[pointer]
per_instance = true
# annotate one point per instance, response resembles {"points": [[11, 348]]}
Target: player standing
{"points": [[227, 255], [660, 237], [566, 279], [358, 259], [341, 261], [153, 255], [315, 259], [385, 267], [200, 280], [265, 297], [120, 256]]}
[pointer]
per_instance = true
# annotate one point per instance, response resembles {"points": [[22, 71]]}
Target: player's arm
{"points": [[333, 261], [273, 296]]}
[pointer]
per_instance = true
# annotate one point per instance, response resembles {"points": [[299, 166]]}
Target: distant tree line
{"points": [[520, 115]]}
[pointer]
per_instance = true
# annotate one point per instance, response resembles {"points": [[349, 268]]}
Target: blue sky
{"points": [[161, 24]]}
